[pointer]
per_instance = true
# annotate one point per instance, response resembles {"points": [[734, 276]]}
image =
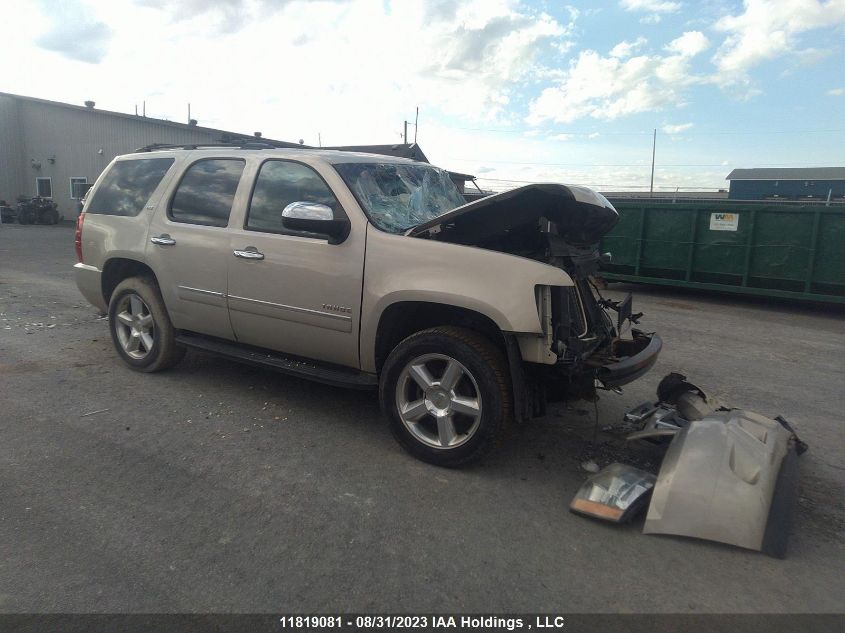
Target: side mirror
{"points": [[314, 217]]}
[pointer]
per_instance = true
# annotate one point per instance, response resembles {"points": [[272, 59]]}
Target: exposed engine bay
{"points": [[560, 225]]}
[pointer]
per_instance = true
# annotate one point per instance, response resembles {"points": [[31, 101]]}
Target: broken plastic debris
{"points": [[85, 415], [615, 494]]}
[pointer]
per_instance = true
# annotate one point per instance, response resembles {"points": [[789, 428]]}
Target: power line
{"points": [[535, 131], [534, 182], [514, 162]]}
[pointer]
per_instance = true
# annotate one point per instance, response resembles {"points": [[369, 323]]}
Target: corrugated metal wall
{"points": [[11, 150], [775, 249], [69, 142]]}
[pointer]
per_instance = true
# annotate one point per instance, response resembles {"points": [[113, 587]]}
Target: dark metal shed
{"points": [[790, 183]]}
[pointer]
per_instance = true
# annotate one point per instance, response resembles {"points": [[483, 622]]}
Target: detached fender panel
{"points": [[719, 478]]}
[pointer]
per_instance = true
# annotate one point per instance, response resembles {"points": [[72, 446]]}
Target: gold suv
{"points": [[362, 271]]}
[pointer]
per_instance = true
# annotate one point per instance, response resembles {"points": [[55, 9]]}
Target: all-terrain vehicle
{"points": [[37, 210], [7, 213]]}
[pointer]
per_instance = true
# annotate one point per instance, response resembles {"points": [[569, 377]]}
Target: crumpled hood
{"points": [[582, 216]]}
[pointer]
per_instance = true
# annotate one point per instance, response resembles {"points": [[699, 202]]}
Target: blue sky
{"points": [[510, 91]]}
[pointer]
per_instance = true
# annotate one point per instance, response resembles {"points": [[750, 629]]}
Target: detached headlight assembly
{"points": [[616, 493]]}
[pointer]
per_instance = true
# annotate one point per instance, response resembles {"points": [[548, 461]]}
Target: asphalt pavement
{"points": [[217, 487]]}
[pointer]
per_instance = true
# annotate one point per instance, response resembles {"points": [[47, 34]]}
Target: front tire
{"points": [[140, 327], [447, 396]]}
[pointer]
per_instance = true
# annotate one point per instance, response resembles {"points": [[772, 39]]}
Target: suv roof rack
{"points": [[245, 143]]}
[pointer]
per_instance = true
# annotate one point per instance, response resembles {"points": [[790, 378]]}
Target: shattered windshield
{"points": [[397, 196]]}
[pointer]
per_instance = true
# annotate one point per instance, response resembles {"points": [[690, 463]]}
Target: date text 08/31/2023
{"points": [[544, 622]]}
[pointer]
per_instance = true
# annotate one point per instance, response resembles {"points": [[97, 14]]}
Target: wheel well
{"points": [[402, 319], [118, 269]]}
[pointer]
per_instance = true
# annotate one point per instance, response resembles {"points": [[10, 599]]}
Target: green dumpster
{"points": [[777, 249]]}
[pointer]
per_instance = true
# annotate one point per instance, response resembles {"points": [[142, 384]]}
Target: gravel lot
{"points": [[218, 487]]}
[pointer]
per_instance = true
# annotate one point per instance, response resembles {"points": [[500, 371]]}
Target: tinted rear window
{"points": [[206, 192], [128, 185]]}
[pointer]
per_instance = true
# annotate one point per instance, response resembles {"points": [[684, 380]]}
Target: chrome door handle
{"points": [[163, 240], [249, 253]]}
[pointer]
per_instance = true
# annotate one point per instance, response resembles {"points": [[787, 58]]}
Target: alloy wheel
{"points": [[135, 326], [438, 401]]}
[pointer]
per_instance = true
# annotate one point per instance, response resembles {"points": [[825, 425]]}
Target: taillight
{"points": [[77, 238]]}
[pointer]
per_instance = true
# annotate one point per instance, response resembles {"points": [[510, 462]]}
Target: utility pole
{"points": [[189, 112], [653, 149], [319, 139], [416, 123], [406, 132]]}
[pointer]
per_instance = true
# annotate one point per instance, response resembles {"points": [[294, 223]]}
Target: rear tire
{"points": [[140, 327], [447, 396]]}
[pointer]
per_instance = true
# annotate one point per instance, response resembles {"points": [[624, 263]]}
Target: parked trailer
{"points": [[775, 249]]}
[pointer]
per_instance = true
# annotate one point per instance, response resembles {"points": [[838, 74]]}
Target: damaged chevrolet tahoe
{"points": [[362, 271]]}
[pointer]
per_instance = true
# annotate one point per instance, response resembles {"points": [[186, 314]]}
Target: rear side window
{"points": [[206, 192], [128, 185], [279, 183]]}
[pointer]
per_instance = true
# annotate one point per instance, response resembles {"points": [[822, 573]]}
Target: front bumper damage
{"points": [[634, 358], [728, 475]]}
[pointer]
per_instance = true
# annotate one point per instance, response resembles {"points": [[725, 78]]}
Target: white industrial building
{"points": [[54, 149], [57, 150]]}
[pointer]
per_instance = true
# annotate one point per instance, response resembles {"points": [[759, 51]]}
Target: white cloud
{"points": [[613, 86], [601, 87], [353, 70], [689, 44], [676, 129], [74, 32], [471, 56], [625, 49], [767, 29], [653, 6], [225, 16], [291, 68], [561, 137]]}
